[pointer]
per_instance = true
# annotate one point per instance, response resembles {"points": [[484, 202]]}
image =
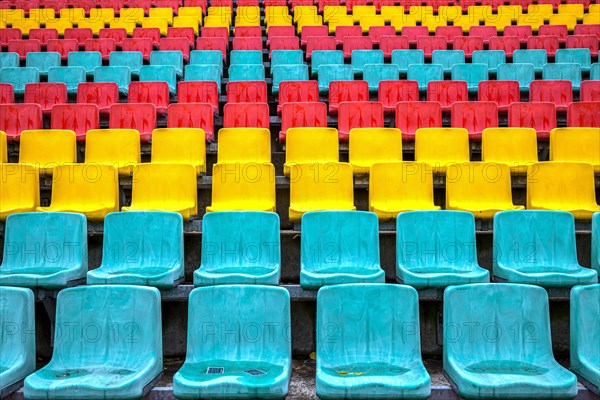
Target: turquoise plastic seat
{"points": [[246, 72], [522, 73], [321, 57], [141, 248], [17, 347], [368, 343], [437, 249], [375, 73], [132, 59], [160, 73], [90, 60], [286, 57], [404, 58], [298, 72], [596, 242], [247, 57], [239, 247], [334, 72], [70, 76], [9, 60], [595, 72], [47, 250], [585, 334], [42, 60], [207, 72], [116, 347], [339, 247], [207, 57], [470, 73], [360, 58], [234, 363], [174, 58], [537, 57], [583, 57], [537, 247], [447, 58], [120, 75], [19, 77], [497, 344], [424, 74], [566, 72], [491, 58]]}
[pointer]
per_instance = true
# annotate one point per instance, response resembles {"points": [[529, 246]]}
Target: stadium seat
{"points": [[474, 117], [413, 115], [286, 57], [247, 43], [486, 32], [47, 148], [248, 31], [580, 145], [9, 60], [558, 92], [139, 116], [589, 42], [45, 94], [246, 115], [390, 43], [447, 58], [208, 57], [522, 73], [244, 145], [63, 46], [404, 58], [115, 376], [310, 145], [244, 57], [7, 94], [192, 115], [230, 306], [362, 57], [20, 190], [104, 46], [373, 74], [120, 75], [523, 366], [156, 93], [471, 73], [243, 187], [24, 46], [560, 31], [342, 90], [220, 266], [297, 91], [352, 43], [142, 45], [424, 73], [160, 73], [390, 93], [297, 115], [585, 342], [203, 72], [173, 58], [373, 145], [566, 72], [451, 236], [582, 57], [117, 34], [376, 33], [328, 73], [355, 234], [515, 147], [555, 252], [3, 148], [212, 43], [70, 76], [119, 148], [507, 44], [8, 34], [428, 44], [589, 91], [503, 93], [342, 31], [246, 92], [583, 114], [298, 72], [20, 77], [318, 44], [523, 32], [468, 44], [42, 61], [167, 145], [448, 32], [441, 147], [284, 43], [322, 57], [88, 60], [548, 43], [540, 116], [358, 114], [246, 72], [15, 118], [447, 92]]}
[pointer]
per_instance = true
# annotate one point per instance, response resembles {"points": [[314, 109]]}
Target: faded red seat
{"points": [[559, 93], [430, 44], [506, 43], [284, 43], [539, 116], [199, 92], [139, 116], [388, 44], [297, 92], [358, 114], [248, 31], [584, 42], [340, 91], [377, 32], [156, 93], [116, 34], [246, 115], [483, 31], [319, 43], [7, 93], [560, 31], [79, 34], [16, 118], [247, 43], [352, 43], [45, 94], [104, 46], [589, 91], [102, 94], [319, 31], [212, 43], [79, 118], [474, 116], [143, 45], [343, 31], [62, 46], [247, 92], [503, 93], [468, 44], [413, 115], [584, 114], [448, 32], [192, 115], [523, 32], [24, 46], [413, 33], [295, 115], [182, 32], [43, 34], [548, 43], [447, 92], [393, 92], [147, 33], [176, 44]]}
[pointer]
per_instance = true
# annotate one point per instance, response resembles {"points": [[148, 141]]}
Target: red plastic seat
{"points": [[247, 92], [503, 93], [116, 34], [62, 46], [523, 32], [275, 31], [295, 3], [413, 33], [104, 46], [246, 115], [297, 92], [269, 3], [393, 92], [343, 31], [340, 91], [323, 3], [413, 115], [319, 31], [548, 43], [147, 33], [539, 116], [447, 92], [247, 43], [388, 44], [560, 31], [24, 46], [143, 45], [474, 116], [584, 42], [248, 31], [319, 43], [79, 34], [43, 34], [7, 93], [140, 116], [588, 29], [16, 118], [559, 93], [377, 32], [79, 118], [176, 44], [448, 32], [182, 32], [358, 114], [589, 91], [352, 3], [468, 44], [584, 114], [486, 32], [284, 43], [430, 44], [506, 43], [174, 4], [196, 3], [300, 115], [156, 93], [192, 115], [8, 34], [102, 94], [212, 43], [215, 31], [46, 94], [199, 92], [352, 43]]}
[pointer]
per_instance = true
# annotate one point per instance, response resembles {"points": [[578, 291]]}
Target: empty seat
{"points": [[448, 58], [491, 58], [245, 57], [70, 76], [352, 43], [119, 148], [503, 93], [360, 240], [47, 148], [522, 32], [200, 92], [589, 91], [562, 186], [45, 94], [20, 190], [329, 73], [376, 73], [522, 73], [548, 43], [246, 115], [241, 145], [138, 45], [104, 46], [42, 61], [89, 60], [357, 114], [15, 118], [566, 72], [310, 145], [515, 147], [247, 92], [447, 92], [413, 115], [574, 56], [19, 77], [63, 46], [179, 146], [117, 34], [428, 44], [373, 145], [576, 145], [11, 60], [583, 42], [425, 73], [470, 363], [474, 116], [78, 118], [156, 93], [204, 73], [392, 92], [192, 115], [245, 365], [508, 44], [139, 116], [313, 114], [390, 43], [362, 57], [131, 59], [116, 376], [558, 92], [585, 342], [404, 58], [120, 75], [470, 73], [281, 73], [325, 57], [173, 58], [583, 114], [540, 116], [342, 91], [24, 46]]}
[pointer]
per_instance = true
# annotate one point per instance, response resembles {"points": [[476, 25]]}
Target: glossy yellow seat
{"points": [[132, 15], [320, 186], [465, 22], [562, 186], [180, 146], [72, 14], [94, 24], [591, 19], [243, 187], [398, 21], [60, 25], [373, 145], [164, 187], [119, 148], [129, 26], [187, 22], [419, 12], [481, 188], [360, 11], [303, 11], [309, 20], [241, 145], [104, 14], [19, 189], [160, 23], [516, 147], [594, 9], [342, 20], [25, 25], [90, 189], [47, 148], [513, 11], [538, 11], [575, 9], [216, 21], [42, 15], [223, 13], [450, 13], [278, 20], [395, 187], [534, 21], [162, 12], [334, 12], [479, 13], [432, 22], [4, 148], [580, 145], [570, 20], [310, 145], [8, 16], [190, 12], [440, 147], [500, 21]]}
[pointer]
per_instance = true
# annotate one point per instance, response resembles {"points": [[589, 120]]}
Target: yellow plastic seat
{"points": [[449, 13], [515, 147], [187, 22], [479, 187], [570, 20], [216, 21], [432, 22], [129, 26], [243, 187], [591, 19], [534, 21], [119, 148], [303, 11], [164, 187], [180, 146], [441, 147], [4, 148], [334, 12], [242, 145], [224, 14], [320, 186], [342, 20], [25, 25], [19, 189], [90, 189], [360, 11], [575, 9], [373, 145], [367, 21], [594, 9], [159, 23], [60, 25], [419, 12], [8, 16], [513, 11], [47, 148], [500, 21], [72, 14], [465, 22], [309, 20], [544, 11], [2, 24], [162, 12], [395, 187], [479, 13], [398, 21], [42, 15], [94, 24], [132, 15], [310, 145], [580, 145], [562, 186], [104, 14]]}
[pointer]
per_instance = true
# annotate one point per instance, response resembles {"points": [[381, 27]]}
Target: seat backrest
{"points": [[207, 57], [243, 183], [298, 91], [347, 90], [19, 77], [47, 148], [585, 325], [321, 183], [240, 145], [441, 146], [491, 58], [163, 184], [117, 147], [522, 73], [359, 114], [584, 113], [15, 118], [247, 92], [425, 73], [199, 92], [17, 310], [76, 117], [558, 92], [329, 73], [392, 92], [305, 145], [121, 75], [474, 116], [486, 183], [156, 93], [447, 92], [139, 116], [246, 72], [246, 115], [179, 145], [312, 114], [511, 146], [590, 91], [447, 58], [192, 115], [503, 93], [45, 94], [370, 145], [89, 60], [88, 183], [540, 116], [404, 58], [42, 61], [160, 73]]}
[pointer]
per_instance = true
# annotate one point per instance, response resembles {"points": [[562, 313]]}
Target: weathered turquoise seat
{"points": [[596, 242]]}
